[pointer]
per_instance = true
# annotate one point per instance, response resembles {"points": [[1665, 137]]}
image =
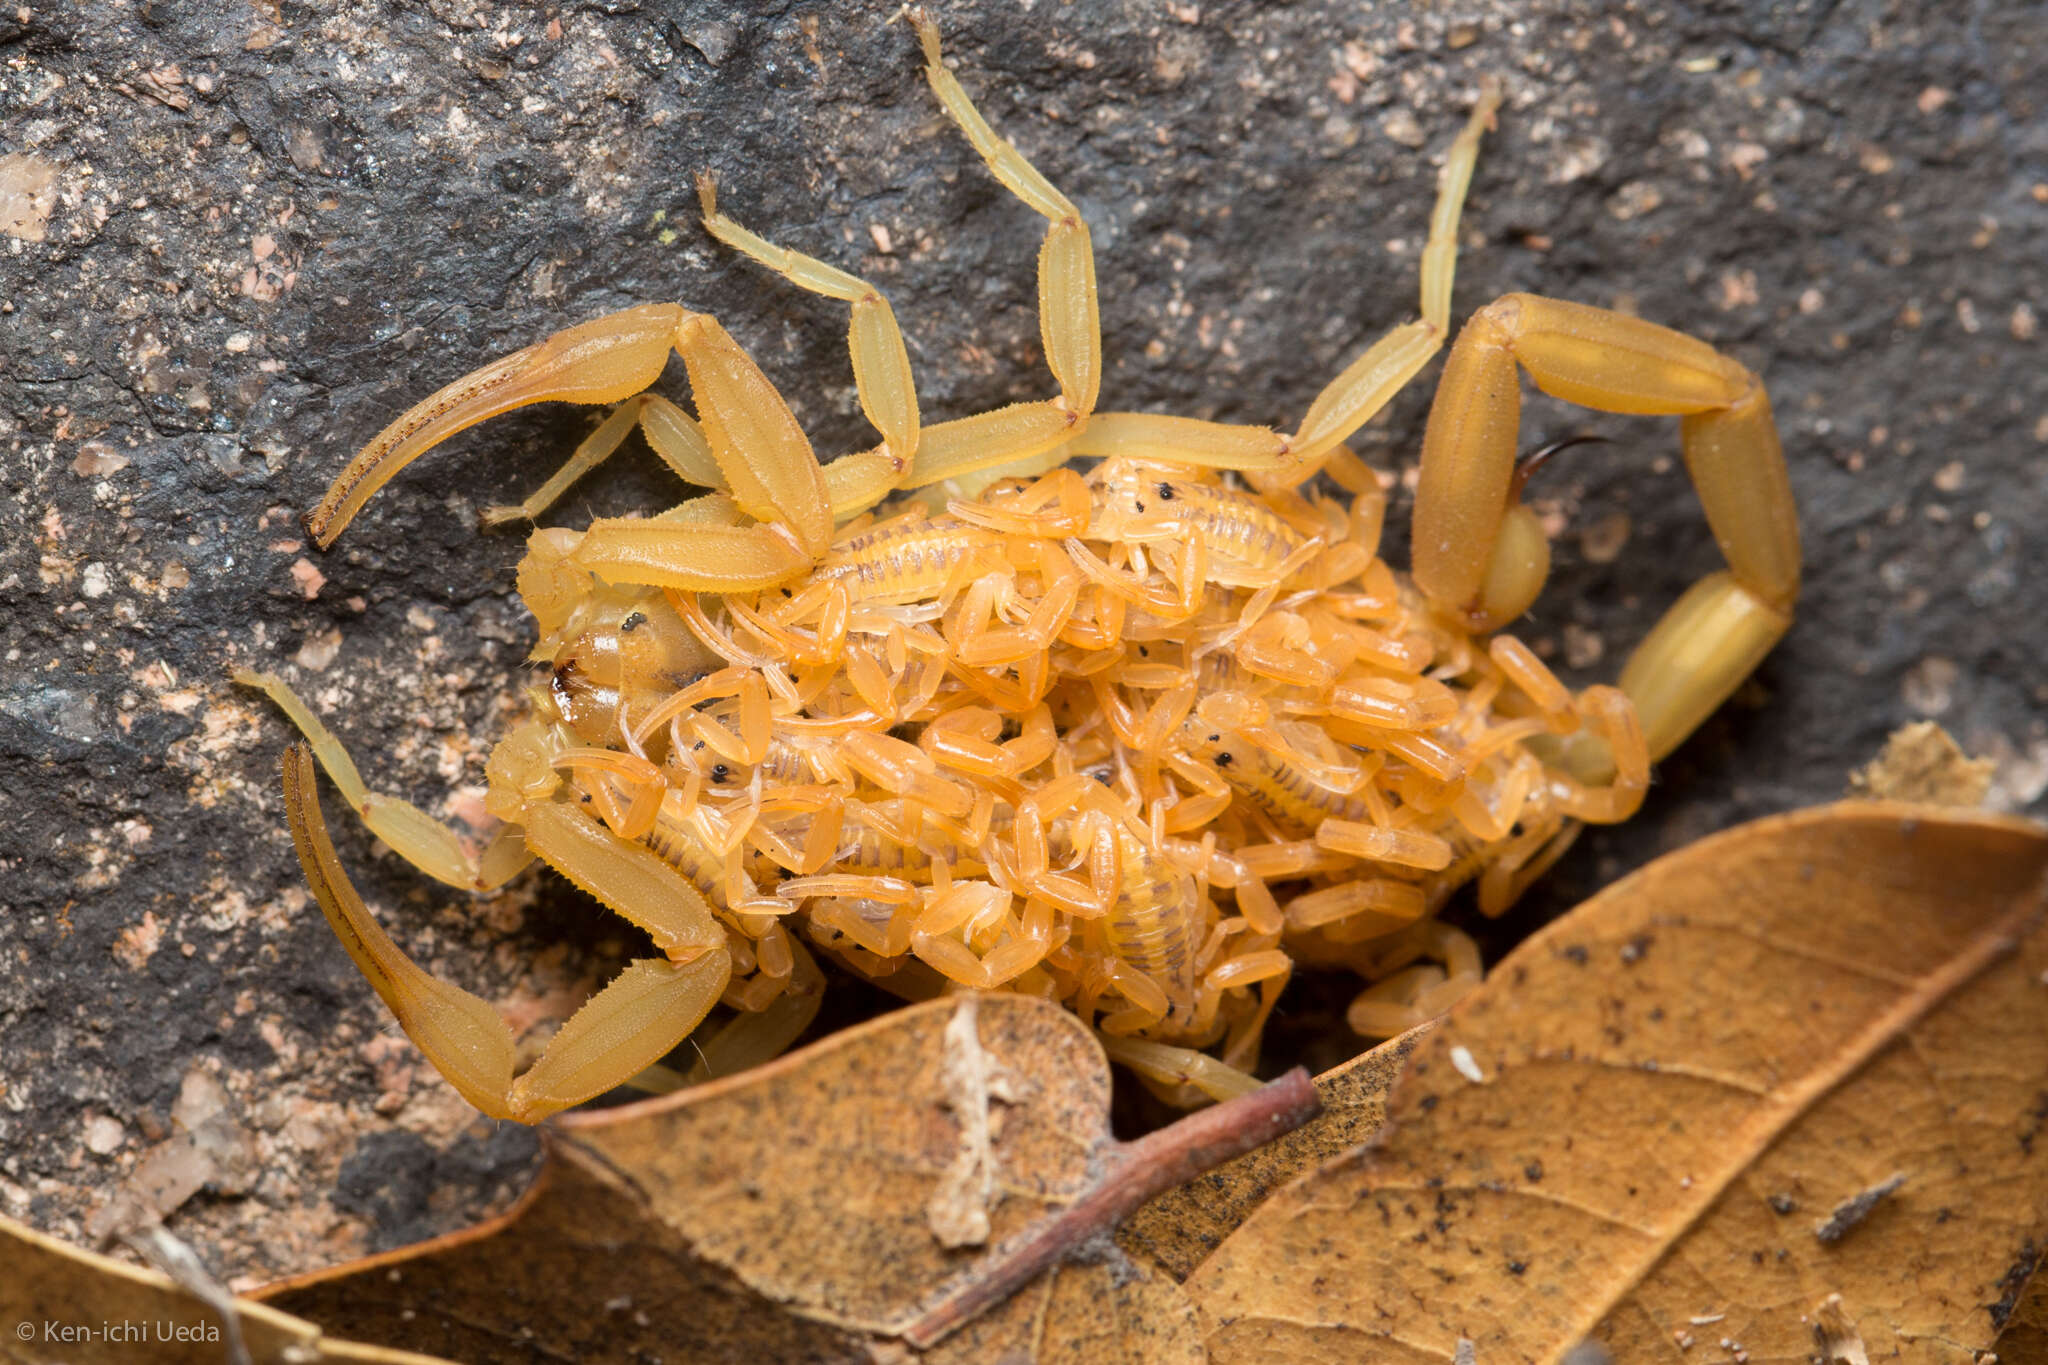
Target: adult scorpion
{"points": [[958, 715]]}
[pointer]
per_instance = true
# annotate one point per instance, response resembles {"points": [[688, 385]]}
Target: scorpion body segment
{"points": [[1139, 503], [909, 559], [1281, 789], [621, 654], [1154, 925], [679, 840]]}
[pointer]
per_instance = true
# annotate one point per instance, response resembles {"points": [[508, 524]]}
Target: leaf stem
{"points": [[1137, 1172]]}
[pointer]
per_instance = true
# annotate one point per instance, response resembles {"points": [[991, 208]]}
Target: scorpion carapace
{"points": [[956, 714]]}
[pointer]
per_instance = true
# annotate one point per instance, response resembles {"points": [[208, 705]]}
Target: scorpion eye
{"points": [[1166, 492], [1223, 760], [719, 772], [1139, 503], [632, 623], [1215, 739]]}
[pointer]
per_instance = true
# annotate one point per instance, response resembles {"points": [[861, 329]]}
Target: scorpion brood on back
{"points": [[1138, 739]]}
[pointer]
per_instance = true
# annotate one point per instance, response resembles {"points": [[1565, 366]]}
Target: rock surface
{"points": [[237, 236]]}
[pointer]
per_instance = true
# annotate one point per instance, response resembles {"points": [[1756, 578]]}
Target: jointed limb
{"points": [[1697, 654], [1354, 396], [1173, 1067], [642, 1014], [1369, 382], [1068, 321], [753, 1039], [692, 556], [414, 835], [671, 433], [761, 455], [628, 877], [881, 367], [600, 361]]}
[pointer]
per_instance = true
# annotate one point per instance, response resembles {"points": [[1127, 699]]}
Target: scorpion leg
{"points": [[646, 1011], [1174, 1070], [1369, 382], [881, 367], [671, 433], [1354, 396], [979, 644], [1068, 323], [594, 450], [413, 835], [1473, 542], [1414, 995], [853, 483], [751, 1039]]}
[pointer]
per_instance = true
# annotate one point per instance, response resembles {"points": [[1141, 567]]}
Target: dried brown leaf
{"points": [[797, 1212], [60, 1304], [2024, 1339], [1177, 1231], [1639, 1128]]}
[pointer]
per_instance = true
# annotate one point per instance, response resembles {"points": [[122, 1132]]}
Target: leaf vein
{"points": [[1869, 971], [1525, 1192]]}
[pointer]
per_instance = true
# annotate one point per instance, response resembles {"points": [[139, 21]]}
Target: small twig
{"points": [[1855, 1209], [1138, 1170], [157, 1246]]}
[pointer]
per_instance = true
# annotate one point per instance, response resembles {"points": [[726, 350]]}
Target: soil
{"points": [[238, 236]]}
